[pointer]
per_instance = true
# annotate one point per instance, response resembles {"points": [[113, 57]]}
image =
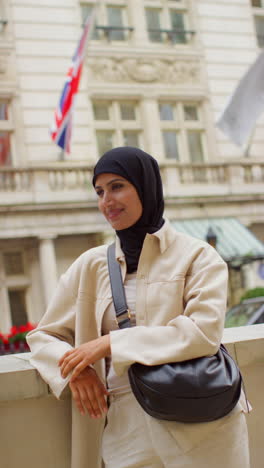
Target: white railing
{"points": [[25, 397], [45, 184], [212, 179], [73, 182]]}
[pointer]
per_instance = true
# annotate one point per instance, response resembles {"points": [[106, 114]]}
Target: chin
{"points": [[120, 226]]}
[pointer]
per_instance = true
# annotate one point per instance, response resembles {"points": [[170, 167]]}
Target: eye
{"points": [[117, 186], [99, 192]]}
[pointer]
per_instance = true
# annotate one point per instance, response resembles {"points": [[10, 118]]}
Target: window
{"points": [[5, 133], [258, 10], [86, 10], [17, 304], [117, 123], [15, 288], [167, 21], [183, 133], [259, 25], [115, 19], [112, 20]]}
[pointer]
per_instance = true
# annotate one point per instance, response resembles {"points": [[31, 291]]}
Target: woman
{"points": [[176, 291]]}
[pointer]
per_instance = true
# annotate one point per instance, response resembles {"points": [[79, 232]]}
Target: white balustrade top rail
{"points": [[24, 396], [72, 182]]}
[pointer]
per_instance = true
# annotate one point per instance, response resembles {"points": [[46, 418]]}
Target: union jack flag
{"points": [[61, 128]]}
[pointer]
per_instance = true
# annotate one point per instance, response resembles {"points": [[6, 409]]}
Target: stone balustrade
{"points": [[45, 184], [35, 428], [72, 182]]}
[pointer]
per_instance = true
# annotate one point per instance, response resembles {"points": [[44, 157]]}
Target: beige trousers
{"points": [[133, 439]]}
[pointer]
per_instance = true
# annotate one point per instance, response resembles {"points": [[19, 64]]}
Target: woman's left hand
{"points": [[84, 355]]}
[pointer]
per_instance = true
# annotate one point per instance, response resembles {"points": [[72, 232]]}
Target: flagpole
{"points": [[61, 129]]}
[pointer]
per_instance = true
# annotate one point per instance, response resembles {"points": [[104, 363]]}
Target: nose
{"points": [[107, 198]]}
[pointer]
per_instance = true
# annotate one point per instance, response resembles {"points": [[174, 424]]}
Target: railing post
{"points": [[235, 176], [171, 180]]}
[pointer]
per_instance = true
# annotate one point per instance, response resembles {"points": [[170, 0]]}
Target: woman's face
{"points": [[118, 201]]}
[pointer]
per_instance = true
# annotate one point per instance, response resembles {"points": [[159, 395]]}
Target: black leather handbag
{"points": [[193, 391]]}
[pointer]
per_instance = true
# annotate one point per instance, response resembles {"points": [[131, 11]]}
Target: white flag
{"points": [[245, 105]]}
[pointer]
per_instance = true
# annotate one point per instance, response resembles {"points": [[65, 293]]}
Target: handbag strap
{"points": [[118, 292]]}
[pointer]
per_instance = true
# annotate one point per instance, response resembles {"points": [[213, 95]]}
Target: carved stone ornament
{"points": [[143, 70]]}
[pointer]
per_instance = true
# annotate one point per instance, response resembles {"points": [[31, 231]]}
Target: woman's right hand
{"points": [[89, 393]]}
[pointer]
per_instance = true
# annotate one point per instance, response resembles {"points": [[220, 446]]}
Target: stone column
{"points": [[48, 266], [137, 15], [152, 133], [249, 278]]}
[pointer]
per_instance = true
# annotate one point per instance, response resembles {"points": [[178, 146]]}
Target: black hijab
{"points": [[142, 171]]}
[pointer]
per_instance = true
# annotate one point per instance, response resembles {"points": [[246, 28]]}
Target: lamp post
{"points": [[211, 237]]}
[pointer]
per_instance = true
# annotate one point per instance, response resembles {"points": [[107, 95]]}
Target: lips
{"points": [[113, 214]]}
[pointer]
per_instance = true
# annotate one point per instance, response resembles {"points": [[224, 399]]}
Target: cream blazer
{"points": [[181, 294]]}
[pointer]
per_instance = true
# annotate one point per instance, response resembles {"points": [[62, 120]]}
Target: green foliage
{"points": [[256, 292], [236, 321]]}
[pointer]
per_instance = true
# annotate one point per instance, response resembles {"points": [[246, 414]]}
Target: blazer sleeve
{"points": [[197, 332], [54, 336]]}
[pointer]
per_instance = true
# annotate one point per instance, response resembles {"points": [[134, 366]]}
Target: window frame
{"points": [[7, 126], [258, 13], [10, 283], [116, 124], [103, 29], [166, 30], [180, 125]]}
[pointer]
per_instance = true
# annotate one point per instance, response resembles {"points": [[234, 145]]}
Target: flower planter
{"points": [[15, 341]]}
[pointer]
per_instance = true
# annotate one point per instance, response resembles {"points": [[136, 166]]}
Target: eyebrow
{"points": [[109, 183]]}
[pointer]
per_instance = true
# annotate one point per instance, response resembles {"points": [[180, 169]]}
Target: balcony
{"points": [[72, 182], [36, 428]]}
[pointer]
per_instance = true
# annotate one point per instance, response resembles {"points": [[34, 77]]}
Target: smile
{"points": [[113, 214]]}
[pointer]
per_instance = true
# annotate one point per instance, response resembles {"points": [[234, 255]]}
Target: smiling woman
{"points": [[176, 288], [118, 201]]}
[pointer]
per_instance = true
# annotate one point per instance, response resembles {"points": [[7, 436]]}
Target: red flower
{"points": [[13, 331], [3, 339], [30, 326], [19, 333]]}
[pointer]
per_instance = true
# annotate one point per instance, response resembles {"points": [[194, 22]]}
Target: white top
{"points": [[121, 384]]}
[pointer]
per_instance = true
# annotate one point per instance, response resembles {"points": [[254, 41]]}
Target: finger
{"points": [[67, 357], [101, 393], [79, 368], [64, 362], [62, 359], [84, 395], [95, 403], [77, 398], [67, 368]]}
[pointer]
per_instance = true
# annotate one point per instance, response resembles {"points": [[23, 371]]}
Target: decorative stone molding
{"points": [[141, 70]]}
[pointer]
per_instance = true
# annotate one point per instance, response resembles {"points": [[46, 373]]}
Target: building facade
{"points": [[157, 75]]}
